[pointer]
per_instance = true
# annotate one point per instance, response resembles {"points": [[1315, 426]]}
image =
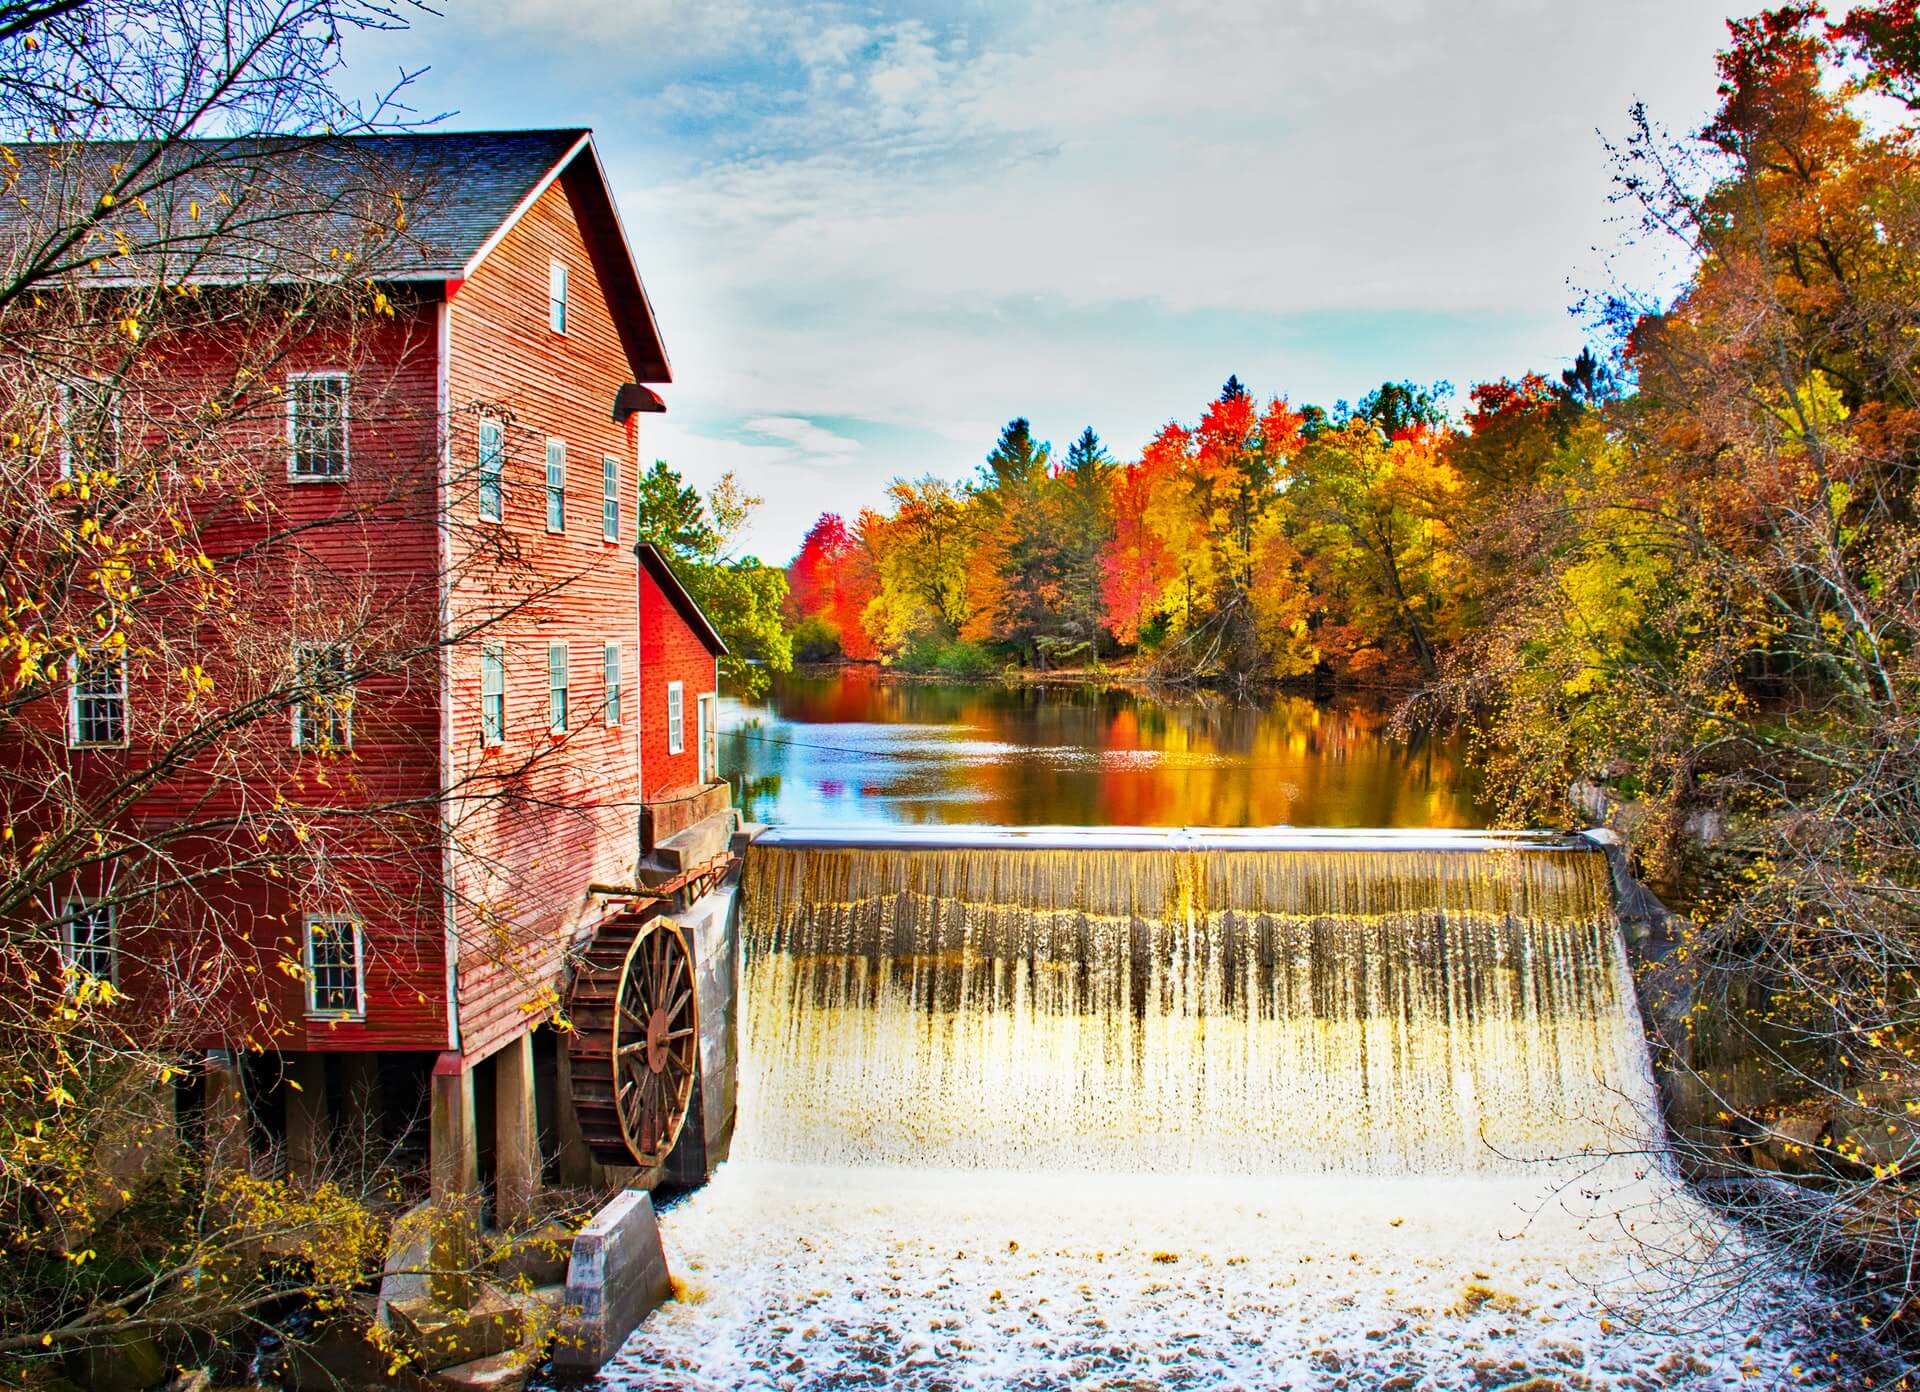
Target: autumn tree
{"points": [[830, 582], [743, 597], [1711, 612]]}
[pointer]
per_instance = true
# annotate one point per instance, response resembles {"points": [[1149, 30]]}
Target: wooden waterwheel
{"points": [[635, 1043]]}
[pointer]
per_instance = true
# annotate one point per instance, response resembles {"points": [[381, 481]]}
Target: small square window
{"points": [[334, 968], [493, 450], [556, 485], [493, 696], [86, 941], [317, 425], [676, 718], [613, 683], [323, 712], [97, 703], [557, 678], [610, 498], [557, 297]]}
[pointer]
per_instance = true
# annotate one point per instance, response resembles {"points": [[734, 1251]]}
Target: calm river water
{"points": [[856, 747]]}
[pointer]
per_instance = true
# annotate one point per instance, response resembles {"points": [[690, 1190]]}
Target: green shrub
{"points": [[948, 657], [816, 640]]}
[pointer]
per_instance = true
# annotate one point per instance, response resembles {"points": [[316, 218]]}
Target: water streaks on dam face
{"points": [[1249, 1011], [1135, 1109]]}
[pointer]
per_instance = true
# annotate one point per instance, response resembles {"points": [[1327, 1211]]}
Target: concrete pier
{"points": [[516, 1146]]}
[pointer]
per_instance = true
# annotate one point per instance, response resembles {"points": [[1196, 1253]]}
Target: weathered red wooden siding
{"points": [[572, 815], [371, 568], [670, 651]]}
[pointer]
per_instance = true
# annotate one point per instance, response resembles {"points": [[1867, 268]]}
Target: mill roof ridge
{"points": [[265, 208]]}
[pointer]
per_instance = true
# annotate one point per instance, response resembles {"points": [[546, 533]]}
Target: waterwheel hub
{"points": [[658, 1025]]}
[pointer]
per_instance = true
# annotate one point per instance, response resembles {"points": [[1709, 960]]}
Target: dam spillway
{"points": [[1186, 1002], [1147, 1110]]}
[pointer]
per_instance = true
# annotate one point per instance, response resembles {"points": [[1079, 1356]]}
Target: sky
{"points": [[873, 234]]}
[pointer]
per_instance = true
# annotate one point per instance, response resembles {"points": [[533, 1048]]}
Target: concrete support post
{"points": [[307, 1120], [225, 1117], [455, 1163], [516, 1146], [454, 1153]]}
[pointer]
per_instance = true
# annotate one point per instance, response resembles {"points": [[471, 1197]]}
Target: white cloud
{"points": [[926, 220], [803, 434]]}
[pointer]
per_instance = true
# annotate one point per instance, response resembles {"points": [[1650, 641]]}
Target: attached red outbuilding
{"points": [[680, 654]]}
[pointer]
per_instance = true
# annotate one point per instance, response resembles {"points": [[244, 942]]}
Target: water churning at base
{"points": [[1186, 1011]]}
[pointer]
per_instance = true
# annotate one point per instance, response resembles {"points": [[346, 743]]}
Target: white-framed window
{"points": [[613, 683], [336, 976], [557, 297], [557, 679], [493, 695], [493, 449], [87, 944], [97, 703], [323, 714], [676, 718], [88, 425], [706, 707], [316, 425], [610, 497], [556, 485]]}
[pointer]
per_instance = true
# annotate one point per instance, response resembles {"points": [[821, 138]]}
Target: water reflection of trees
{"points": [[1084, 755]]}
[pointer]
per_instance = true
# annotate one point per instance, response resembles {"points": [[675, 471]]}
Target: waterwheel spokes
{"points": [[634, 1058]]}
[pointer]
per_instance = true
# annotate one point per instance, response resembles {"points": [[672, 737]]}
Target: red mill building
{"points": [[560, 737]]}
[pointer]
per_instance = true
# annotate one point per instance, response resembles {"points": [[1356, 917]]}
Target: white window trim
{"points": [[70, 945], [610, 497], [565, 688], [614, 700], [498, 651], [497, 475], [707, 710], [298, 713], [676, 717], [63, 423], [73, 709], [557, 299], [315, 1011], [547, 496], [346, 427]]}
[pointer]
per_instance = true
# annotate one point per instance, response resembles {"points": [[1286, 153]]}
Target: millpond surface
{"points": [[1374, 1118], [855, 748]]}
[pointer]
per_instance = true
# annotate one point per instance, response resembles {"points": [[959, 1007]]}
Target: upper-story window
{"points": [[558, 678], [556, 485], [676, 718], [557, 297], [493, 449], [613, 683], [323, 714], [86, 941], [89, 425], [317, 425], [493, 695], [610, 497], [336, 974], [97, 702]]}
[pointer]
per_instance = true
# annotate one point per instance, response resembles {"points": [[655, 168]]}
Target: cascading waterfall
{"points": [[1395, 1008], [1397, 1081]]}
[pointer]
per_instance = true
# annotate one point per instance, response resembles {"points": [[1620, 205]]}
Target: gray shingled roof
{"points": [[287, 201], [270, 209]]}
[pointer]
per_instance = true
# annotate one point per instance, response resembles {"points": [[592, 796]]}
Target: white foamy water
{"points": [[1140, 1120], [811, 1278]]}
